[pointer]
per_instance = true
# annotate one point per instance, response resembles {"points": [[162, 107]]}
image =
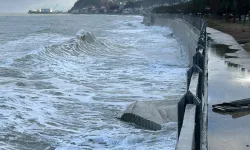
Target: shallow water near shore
{"points": [[64, 79]]}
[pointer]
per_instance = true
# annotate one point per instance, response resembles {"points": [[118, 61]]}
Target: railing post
{"points": [[195, 95]]}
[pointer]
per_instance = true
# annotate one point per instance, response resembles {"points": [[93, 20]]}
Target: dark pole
{"points": [[234, 3], [248, 10]]}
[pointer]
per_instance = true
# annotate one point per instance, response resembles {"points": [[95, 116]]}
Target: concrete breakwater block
{"points": [[150, 114]]}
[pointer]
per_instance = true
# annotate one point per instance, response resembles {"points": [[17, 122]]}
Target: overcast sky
{"points": [[22, 6]]}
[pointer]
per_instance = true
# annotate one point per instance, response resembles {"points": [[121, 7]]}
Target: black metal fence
{"points": [[196, 94], [195, 21], [195, 87]]}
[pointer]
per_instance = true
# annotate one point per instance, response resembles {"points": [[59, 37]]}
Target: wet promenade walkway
{"points": [[226, 82]]}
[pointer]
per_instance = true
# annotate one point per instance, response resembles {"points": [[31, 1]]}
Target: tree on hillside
{"points": [[243, 8], [225, 6], [79, 4]]}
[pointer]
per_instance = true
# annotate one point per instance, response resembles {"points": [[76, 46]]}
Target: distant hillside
{"points": [[83, 3], [145, 3]]}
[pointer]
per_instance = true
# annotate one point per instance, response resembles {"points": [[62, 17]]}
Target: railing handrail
{"points": [[187, 137], [194, 96], [197, 94]]}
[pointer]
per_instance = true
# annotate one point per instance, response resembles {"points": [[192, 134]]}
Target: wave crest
{"points": [[85, 36]]}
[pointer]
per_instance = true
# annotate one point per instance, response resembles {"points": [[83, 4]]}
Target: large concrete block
{"points": [[150, 114]]}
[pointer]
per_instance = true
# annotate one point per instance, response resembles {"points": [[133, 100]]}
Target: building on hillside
{"points": [[139, 10], [103, 9], [121, 6], [127, 11], [90, 8], [76, 11], [116, 11], [94, 10], [84, 10]]}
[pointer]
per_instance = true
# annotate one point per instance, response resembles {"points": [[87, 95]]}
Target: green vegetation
{"points": [[114, 3], [219, 8], [83, 3]]}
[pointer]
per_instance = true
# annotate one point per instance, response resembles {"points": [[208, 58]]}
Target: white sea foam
{"points": [[70, 91]]}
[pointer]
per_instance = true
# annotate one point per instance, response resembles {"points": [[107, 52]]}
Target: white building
{"points": [[138, 10], [35, 11], [127, 11], [46, 10], [104, 9], [121, 6], [85, 10], [94, 10], [75, 11]]}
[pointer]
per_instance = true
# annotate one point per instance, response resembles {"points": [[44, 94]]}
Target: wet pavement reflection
{"points": [[227, 82], [222, 49]]}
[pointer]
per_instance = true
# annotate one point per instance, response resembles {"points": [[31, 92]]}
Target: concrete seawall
{"points": [[190, 111], [186, 33]]}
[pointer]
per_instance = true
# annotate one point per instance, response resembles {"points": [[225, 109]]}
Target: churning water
{"points": [[64, 78]]}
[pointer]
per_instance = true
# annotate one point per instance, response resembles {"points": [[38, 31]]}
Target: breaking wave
{"points": [[84, 44], [63, 91]]}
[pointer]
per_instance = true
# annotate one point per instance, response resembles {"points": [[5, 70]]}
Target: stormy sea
{"points": [[64, 79]]}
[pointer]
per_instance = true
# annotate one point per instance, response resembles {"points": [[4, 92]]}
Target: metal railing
{"points": [[196, 94], [189, 137], [195, 21]]}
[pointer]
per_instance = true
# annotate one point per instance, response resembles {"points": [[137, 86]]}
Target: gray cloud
{"points": [[22, 6]]}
